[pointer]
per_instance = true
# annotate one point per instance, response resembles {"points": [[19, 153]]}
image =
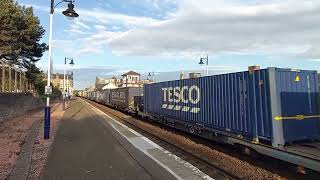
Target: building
{"points": [[57, 81], [146, 81], [90, 88], [194, 75], [130, 79], [112, 80], [181, 75]]}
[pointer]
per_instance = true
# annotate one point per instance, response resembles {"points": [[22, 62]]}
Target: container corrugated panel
{"points": [[107, 96], [238, 103], [99, 96], [123, 97]]}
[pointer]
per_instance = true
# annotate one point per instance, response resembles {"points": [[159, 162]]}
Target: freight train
{"points": [[272, 111]]}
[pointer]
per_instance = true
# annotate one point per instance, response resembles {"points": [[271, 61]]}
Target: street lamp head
{"points": [[70, 12], [71, 62], [201, 62]]}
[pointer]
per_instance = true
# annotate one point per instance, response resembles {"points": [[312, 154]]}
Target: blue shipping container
{"points": [[275, 105]]}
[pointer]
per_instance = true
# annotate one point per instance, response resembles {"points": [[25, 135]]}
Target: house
{"points": [[57, 81], [130, 79]]}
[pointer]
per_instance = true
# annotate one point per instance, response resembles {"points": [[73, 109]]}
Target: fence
{"points": [[13, 80]]}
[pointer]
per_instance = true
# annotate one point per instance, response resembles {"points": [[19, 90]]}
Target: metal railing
{"points": [[13, 80]]}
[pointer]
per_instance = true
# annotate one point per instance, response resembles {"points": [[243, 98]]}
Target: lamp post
{"points": [[151, 74], [207, 63], [70, 12], [64, 79], [69, 83]]}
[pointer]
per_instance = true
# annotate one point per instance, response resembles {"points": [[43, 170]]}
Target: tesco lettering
{"points": [[181, 94]]}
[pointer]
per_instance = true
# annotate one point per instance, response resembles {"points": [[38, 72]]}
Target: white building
{"points": [[130, 79]]}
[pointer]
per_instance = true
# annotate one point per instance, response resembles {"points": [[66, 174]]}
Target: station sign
{"points": [[48, 90]]}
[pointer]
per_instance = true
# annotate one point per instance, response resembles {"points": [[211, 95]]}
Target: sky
{"points": [[111, 37]]}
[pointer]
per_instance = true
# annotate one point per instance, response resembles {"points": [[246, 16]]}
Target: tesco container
{"points": [[272, 105], [124, 97]]}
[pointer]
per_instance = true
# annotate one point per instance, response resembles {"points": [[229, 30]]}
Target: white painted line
{"points": [[151, 142]]}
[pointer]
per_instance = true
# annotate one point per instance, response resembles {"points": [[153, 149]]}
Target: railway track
{"points": [[214, 170]]}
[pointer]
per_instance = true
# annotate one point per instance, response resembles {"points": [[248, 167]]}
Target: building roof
{"points": [[109, 86], [131, 73]]}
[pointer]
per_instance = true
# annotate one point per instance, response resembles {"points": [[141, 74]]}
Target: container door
{"points": [[298, 95]]}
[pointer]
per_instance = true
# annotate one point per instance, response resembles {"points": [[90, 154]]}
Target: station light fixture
{"points": [[70, 12]]}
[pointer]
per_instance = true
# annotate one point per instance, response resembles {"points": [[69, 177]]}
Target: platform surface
{"points": [[92, 145], [83, 149]]}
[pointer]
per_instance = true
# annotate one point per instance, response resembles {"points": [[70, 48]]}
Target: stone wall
{"points": [[12, 105]]}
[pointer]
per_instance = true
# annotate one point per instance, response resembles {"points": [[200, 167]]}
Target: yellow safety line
{"points": [[297, 117]]}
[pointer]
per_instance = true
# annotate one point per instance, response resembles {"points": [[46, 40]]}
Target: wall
{"points": [[12, 105]]}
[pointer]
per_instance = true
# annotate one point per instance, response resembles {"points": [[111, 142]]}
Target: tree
{"points": [[20, 34]]}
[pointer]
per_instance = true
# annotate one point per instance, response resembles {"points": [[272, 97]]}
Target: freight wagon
{"points": [[91, 95], [104, 96], [272, 111], [124, 97], [266, 110]]}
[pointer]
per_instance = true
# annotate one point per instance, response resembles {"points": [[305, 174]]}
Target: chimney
{"points": [[181, 75], [251, 69]]}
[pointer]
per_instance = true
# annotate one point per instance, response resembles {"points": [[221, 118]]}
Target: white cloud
{"points": [[81, 24], [105, 17], [100, 27], [100, 16], [97, 42], [94, 40], [73, 31], [286, 27], [66, 45]]}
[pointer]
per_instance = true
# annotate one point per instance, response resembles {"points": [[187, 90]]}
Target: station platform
{"points": [[92, 145]]}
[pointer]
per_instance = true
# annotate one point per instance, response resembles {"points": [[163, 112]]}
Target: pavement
{"points": [[92, 145]]}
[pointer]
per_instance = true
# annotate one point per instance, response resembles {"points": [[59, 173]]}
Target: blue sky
{"points": [[112, 36]]}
